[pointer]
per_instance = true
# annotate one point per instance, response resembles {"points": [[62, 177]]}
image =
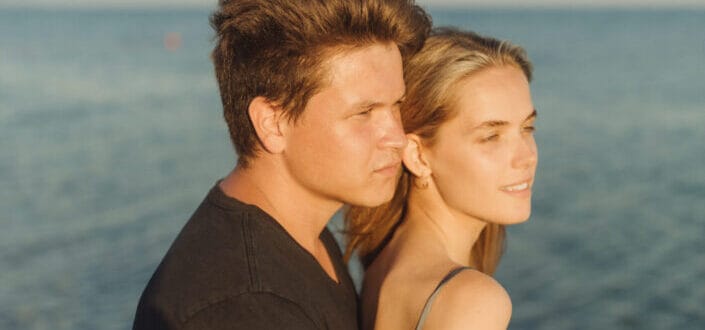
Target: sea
{"points": [[111, 133]]}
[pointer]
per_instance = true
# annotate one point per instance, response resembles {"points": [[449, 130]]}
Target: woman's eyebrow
{"points": [[533, 115], [492, 123], [499, 123]]}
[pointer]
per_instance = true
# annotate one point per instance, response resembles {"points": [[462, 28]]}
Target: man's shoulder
{"points": [[225, 234], [227, 252], [247, 310]]}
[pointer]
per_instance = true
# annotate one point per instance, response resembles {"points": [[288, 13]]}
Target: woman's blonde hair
{"points": [[447, 57]]}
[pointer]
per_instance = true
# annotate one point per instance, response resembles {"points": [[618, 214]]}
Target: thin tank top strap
{"points": [[432, 297]]}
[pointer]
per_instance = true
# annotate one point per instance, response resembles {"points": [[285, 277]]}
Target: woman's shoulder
{"points": [[470, 299]]}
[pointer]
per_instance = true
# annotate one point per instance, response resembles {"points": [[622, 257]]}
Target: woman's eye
{"points": [[529, 129]]}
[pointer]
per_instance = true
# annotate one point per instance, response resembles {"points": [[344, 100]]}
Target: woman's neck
{"points": [[430, 219]]}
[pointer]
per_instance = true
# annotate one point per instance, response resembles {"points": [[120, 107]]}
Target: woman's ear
{"points": [[266, 117], [413, 157]]}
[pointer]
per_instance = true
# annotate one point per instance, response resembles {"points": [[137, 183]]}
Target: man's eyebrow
{"points": [[367, 104], [401, 99], [375, 104]]}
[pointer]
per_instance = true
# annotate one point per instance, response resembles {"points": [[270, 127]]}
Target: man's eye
{"points": [[364, 113], [493, 137]]}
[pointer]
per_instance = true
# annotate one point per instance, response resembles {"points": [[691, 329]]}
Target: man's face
{"points": [[346, 145]]}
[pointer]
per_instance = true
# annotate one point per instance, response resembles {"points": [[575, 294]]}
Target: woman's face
{"points": [[484, 159]]}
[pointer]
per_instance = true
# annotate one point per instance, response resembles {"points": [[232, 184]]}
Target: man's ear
{"points": [[266, 117], [413, 157]]}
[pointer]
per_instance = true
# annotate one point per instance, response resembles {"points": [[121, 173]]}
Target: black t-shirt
{"points": [[234, 267]]}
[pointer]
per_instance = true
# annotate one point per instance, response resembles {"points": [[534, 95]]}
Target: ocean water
{"points": [[111, 134]]}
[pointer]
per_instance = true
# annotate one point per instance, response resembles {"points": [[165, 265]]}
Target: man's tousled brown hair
{"points": [[277, 49]]}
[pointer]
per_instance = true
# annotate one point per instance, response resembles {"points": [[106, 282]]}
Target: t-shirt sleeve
{"points": [[252, 311]]}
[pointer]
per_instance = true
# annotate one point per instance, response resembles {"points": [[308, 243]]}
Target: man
{"points": [[310, 92]]}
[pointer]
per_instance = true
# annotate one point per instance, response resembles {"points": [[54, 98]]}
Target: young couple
{"points": [[335, 102]]}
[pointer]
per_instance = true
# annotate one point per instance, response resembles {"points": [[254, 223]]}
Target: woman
{"points": [[468, 171]]}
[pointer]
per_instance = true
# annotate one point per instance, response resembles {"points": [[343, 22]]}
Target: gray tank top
{"points": [[429, 301]]}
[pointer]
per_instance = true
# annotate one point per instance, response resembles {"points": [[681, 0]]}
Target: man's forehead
{"points": [[366, 76]]}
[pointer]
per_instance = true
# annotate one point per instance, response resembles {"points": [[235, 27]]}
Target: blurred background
{"points": [[111, 134]]}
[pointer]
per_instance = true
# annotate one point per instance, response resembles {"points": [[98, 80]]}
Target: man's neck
{"points": [[268, 186]]}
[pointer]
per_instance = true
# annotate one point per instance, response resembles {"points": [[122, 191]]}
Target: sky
{"points": [[425, 3]]}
